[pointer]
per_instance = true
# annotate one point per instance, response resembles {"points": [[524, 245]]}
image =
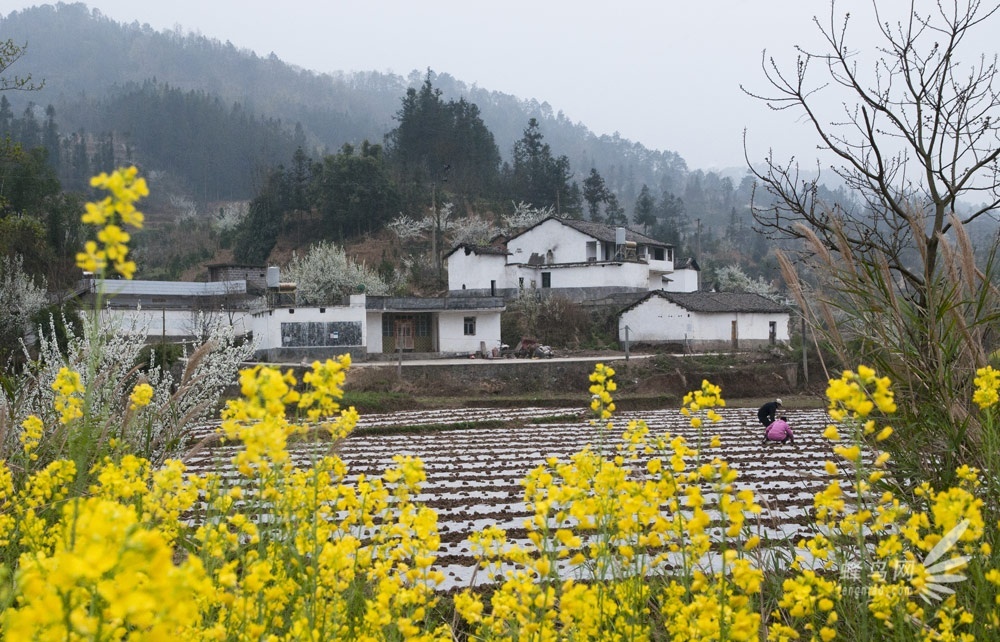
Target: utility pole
{"points": [[437, 217], [805, 361], [434, 230]]}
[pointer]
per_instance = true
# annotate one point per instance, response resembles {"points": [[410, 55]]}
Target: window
{"points": [[470, 326], [546, 279], [657, 253], [423, 323]]}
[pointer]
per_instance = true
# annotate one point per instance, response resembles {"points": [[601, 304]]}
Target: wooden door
{"points": [[404, 334]]}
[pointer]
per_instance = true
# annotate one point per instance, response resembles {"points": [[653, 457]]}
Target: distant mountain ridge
{"points": [[84, 57]]}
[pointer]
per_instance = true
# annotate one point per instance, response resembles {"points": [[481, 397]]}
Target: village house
{"points": [[580, 260], [370, 326], [172, 311], [259, 305], [704, 321]]}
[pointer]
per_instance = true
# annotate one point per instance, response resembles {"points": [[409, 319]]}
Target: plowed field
{"points": [[474, 473]]}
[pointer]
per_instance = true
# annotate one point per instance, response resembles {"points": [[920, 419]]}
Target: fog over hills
{"points": [[85, 57]]}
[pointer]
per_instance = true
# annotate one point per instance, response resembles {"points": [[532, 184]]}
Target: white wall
{"points": [[172, 325], [451, 329], [681, 281], [373, 334], [566, 244], [588, 275], [267, 325], [474, 271], [659, 320], [656, 319]]}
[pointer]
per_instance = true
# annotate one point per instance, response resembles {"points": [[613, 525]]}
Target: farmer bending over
{"points": [[768, 412], [779, 430]]}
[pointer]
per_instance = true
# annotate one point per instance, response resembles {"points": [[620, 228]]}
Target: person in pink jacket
{"points": [[779, 430]]}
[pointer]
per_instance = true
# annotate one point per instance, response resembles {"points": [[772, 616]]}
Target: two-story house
{"points": [[581, 260]]}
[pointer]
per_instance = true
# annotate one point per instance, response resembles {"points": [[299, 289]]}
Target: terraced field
{"points": [[475, 462]]}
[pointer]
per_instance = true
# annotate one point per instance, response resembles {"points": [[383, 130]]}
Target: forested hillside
{"points": [[217, 125]]}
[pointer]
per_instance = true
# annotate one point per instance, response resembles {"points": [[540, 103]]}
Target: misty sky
{"points": [[666, 74]]}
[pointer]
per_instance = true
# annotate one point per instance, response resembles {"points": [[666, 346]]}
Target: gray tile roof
{"points": [[471, 248], [429, 304], [123, 287], [606, 233], [709, 302]]}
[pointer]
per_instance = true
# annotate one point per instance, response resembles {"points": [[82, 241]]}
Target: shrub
{"points": [[162, 355]]}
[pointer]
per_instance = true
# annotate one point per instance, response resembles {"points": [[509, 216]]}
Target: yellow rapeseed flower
{"points": [[987, 385], [108, 215], [69, 395], [31, 435], [141, 395]]}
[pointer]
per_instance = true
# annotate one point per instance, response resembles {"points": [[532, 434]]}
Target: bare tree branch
{"points": [[11, 52], [920, 129]]}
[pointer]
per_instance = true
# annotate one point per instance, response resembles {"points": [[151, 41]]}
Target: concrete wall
{"points": [[680, 281], [452, 337], [500, 376], [254, 275], [474, 272], [373, 319], [623, 276], [570, 378], [285, 333], [657, 320], [566, 244], [173, 324]]}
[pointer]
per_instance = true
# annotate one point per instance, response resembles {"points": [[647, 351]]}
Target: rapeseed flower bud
{"points": [[109, 214], [987, 383]]}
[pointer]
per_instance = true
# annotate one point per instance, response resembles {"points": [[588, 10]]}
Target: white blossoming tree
{"points": [[525, 215], [732, 278], [20, 299], [181, 401], [324, 275]]}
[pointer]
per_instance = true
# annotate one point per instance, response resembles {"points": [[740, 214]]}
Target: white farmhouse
{"points": [[578, 259], [443, 325], [365, 326], [372, 325], [705, 321], [293, 334], [170, 310]]}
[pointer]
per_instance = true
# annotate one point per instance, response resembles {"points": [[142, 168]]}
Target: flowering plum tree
{"points": [[325, 274]]}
